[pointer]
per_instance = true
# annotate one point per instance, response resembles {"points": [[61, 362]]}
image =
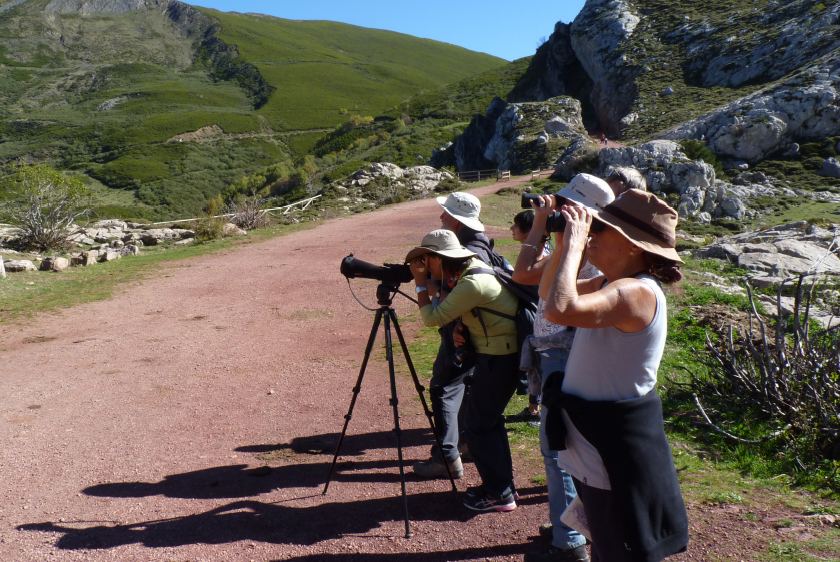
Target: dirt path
{"points": [[134, 429]]}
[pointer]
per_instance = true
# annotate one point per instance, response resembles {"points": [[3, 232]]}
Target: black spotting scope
{"points": [[391, 273]]}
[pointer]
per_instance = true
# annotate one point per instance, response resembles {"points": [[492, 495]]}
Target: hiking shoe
{"points": [[434, 468], [552, 553], [482, 501]]}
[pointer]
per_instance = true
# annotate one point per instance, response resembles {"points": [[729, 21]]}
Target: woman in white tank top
{"points": [[622, 323]]}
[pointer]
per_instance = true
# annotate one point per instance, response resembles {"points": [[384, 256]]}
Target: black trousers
{"points": [[604, 524], [493, 385]]}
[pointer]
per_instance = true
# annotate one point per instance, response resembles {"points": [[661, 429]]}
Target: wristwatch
{"points": [[418, 289]]}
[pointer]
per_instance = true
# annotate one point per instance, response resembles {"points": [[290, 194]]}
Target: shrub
{"points": [[42, 204], [248, 215], [697, 150], [209, 228]]}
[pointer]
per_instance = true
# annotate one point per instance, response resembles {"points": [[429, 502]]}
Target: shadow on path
{"points": [[259, 521], [240, 481]]}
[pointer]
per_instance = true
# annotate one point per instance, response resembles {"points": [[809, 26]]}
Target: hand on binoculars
{"points": [[544, 205], [418, 269]]}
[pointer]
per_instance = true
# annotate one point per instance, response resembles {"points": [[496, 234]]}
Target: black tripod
{"points": [[384, 295]]}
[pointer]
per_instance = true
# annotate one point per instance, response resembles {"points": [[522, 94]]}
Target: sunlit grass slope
{"points": [[320, 67]]}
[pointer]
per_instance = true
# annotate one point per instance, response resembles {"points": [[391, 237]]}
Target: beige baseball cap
{"points": [[442, 243]]}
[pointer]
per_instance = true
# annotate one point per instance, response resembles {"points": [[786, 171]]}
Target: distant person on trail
{"points": [[603, 138], [447, 388], [622, 179]]}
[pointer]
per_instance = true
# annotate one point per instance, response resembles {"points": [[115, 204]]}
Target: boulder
{"points": [[830, 168], [134, 250], [117, 244], [2, 268], [182, 242], [84, 259], [231, 229], [109, 255], [15, 266], [691, 202], [54, 264], [556, 125], [733, 207]]}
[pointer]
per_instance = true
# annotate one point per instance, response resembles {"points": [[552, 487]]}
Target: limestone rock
{"points": [[231, 229], [84, 259], [109, 255], [134, 250], [733, 207], [753, 127], [54, 264], [830, 168], [596, 33], [2, 268], [15, 266]]}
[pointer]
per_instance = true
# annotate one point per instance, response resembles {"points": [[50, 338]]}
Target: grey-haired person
{"points": [[493, 338], [623, 178], [606, 419]]}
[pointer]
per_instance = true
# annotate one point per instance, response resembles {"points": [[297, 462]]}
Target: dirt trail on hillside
{"points": [[135, 429]]}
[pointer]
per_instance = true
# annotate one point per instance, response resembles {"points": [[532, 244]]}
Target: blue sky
{"points": [[498, 28]]}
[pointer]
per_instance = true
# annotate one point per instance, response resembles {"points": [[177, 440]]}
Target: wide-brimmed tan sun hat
{"points": [[464, 207], [589, 191], [442, 243], [645, 220]]}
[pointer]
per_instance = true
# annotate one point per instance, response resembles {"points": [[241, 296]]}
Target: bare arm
{"points": [[531, 263], [628, 304]]}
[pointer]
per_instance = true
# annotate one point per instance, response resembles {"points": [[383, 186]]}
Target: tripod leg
{"points": [[356, 390], [394, 403], [420, 390]]}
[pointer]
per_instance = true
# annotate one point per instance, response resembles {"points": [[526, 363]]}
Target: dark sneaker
{"points": [[483, 501], [434, 468], [554, 554], [464, 449]]}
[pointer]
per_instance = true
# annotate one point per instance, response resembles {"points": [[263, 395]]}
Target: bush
{"points": [[248, 215], [42, 204], [209, 228], [697, 150]]}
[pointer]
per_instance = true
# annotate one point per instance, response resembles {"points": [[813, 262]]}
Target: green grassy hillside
{"points": [[106, 95], [320, 67]]}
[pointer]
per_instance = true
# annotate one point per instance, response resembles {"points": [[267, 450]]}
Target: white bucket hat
{"points": [[442, 243], [464, 208], [589, 191]]}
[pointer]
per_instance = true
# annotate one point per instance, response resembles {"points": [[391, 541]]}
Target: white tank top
{"points": [[608, 364]]}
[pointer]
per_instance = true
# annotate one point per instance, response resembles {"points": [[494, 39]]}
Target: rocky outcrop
{"points": [[598, 30], [555, 71], [469, 147], [769, 121], [383, 183], [777, 253], [533, 135]]}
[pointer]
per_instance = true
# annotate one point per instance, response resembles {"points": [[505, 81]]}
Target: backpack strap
{"points": [[476, 312]]}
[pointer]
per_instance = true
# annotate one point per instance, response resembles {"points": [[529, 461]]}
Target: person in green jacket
{"points": [[493, 339]]}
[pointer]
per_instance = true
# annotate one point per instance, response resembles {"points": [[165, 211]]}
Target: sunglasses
{"points": [[597, 226]]}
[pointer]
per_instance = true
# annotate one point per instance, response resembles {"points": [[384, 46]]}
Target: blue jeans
{"points": [[561, 487]]}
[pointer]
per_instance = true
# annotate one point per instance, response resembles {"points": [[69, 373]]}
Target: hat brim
{"points": [[422, 251], [637, 236], [466, 221]]}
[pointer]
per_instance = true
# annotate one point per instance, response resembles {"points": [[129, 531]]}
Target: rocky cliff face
{"points": [[753, 79]]}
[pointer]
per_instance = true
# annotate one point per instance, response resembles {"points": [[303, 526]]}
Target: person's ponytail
{"points": [[663, 269]]}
